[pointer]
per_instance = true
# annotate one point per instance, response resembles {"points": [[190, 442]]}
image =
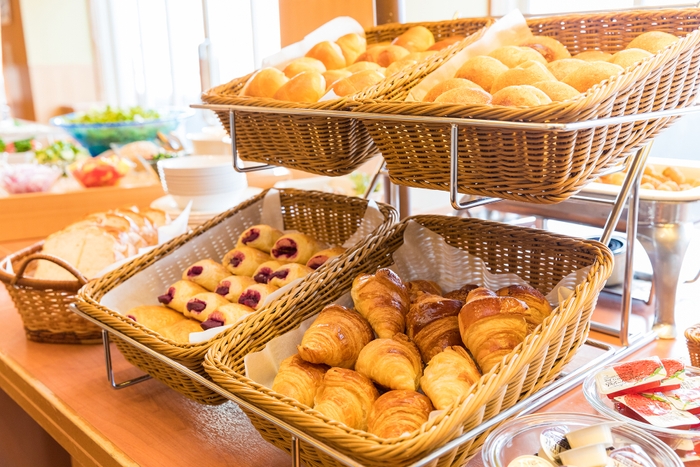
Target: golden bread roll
{"points": [[629, 57], [178, 294], [322, 256], [392, 363], [180, 331], [288, 273], [201, 305], [538, 306], [265, 270], [336, 337], [362, 66], [357, 82], [346, 396], [464, 96], [445, 43], [461, 293], [591, 74], [255, 295], [449, 377], [207, 273], [244, 260], [447, 85], [419, 287], [266, 82], [352, 45], [399, 65], [482, 70], [299, 379], [416, 39], [307, 87], [520, 96], [561, 68], [420, 56], [383, 299], [332, 76], [229, 313], [652, 41], [513, 55], [397, 412], [231, 287], [301, 65], [296, 247], [261, 236], [329, 53], [556, 90], [390, 54], [154, 317], [550, 48], [371, 54], [593, 56], [526, 73]]}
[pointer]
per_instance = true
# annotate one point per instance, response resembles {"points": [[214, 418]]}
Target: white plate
{"points": [[168, 204]]}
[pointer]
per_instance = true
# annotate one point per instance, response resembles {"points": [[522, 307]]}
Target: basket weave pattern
{"points": [[692, 339], [539, 258]]}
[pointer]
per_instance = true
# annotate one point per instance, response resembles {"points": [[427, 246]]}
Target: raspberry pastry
{"points": [[296, 248], [288, 273], [201, 305], [226, 314], [262, 237], [207, 273], [244, 260], [324, 255], [232, 287], [265, 270], [256, 294], [178, 294]]}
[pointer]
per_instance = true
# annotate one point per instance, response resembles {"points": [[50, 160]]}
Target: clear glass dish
{"points": [[521, 436]]}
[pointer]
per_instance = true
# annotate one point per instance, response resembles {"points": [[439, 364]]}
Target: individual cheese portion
{"points": [[594, 434], [593, 455], [529, 461]]}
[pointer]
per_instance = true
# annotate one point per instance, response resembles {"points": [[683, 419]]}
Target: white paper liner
{"points": [[508, 30], [144, 287]]}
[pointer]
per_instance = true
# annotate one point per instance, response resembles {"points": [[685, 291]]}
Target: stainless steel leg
{"points": [[110, 373]]}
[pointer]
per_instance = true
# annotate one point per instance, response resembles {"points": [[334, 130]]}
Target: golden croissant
{"points": [[538, 306], [346, 396], [397, 412], [383, 299], [392, 363], [299, 379], [449, 376]]}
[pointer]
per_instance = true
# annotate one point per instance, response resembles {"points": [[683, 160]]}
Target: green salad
{"points": [[115, 115], [61, 153]]}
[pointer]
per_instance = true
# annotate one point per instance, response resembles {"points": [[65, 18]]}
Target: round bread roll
{"points": [[448, 84], [390, 54], [629, 57], [303, 64], [352, 45], [526, 73], [357, 82], [591, 74], [652, 41], [329, 53], [399, 65], [550, 48], [556, 90], [464, 96], [307, 87], [266, 82], [362, 66], [513, 55], [561, 68], [332, 76], [481, 70], [371, 54], [416, 39], [594, 56], [445, 43], [520, 96]]}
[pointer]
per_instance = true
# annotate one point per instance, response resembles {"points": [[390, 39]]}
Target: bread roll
{"points": [[266, 82], [556, 90], [299, 379], [244, 260], [464, 96], [481, 70], [591, 74], [352, 45], [121, 223], [201, 305], [445, 43], [332, 76], [207, 273], [323, 256], [420, 56], [362, 66], [229, 313], [255, 295], [652, 41], [357, 82], [593, 56], [296, 247], [397, 412], [178, 294], [392, 363], [329, 53], [399, 65], [629, 57], [265, 270], [526, 73], [416, 39], [307, 87], [154, 317], [447, 85], [261, 236], [561, 68], [180, 331], [550, 48], [513, 55], [520, 96], [288, 273], [371, 54], [390, 54], [231, 287]]}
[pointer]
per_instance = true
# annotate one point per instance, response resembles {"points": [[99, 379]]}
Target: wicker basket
{"points": [[331, 218], [538, 257], [43, 304], [545, 166], [319, 145], [692, 337]]}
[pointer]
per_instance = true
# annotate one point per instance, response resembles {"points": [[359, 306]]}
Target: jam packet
{"points": [[656, 411], [631, 377]]}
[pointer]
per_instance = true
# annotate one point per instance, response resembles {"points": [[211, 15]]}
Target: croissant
{"points": [[449, 376], [244, 260], [346, 396], [383, 299], [154, 317], [179, 294], [256, 294], [265, 270], [299, 379], [397, 412], [324, 255], [296, 248], [180, 331], [461, 293], [478, 293], [392, 363], [429, 308], [419, 287], [336, 337], [539, 307], [262, 237], [230, 313], [232, 287], [207, 273], [492, 327], [288, 273]]}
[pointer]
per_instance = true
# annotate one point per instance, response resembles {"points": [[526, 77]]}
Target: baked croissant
{"points": [[346, 396], [232, 287], [180, 331], [419, 287], [296, 248], [461, 293], [154, 317], [336, 337], [179, 294], [479, 293], [265, 270], [539, 307], [201, 305], [397, 412], [207, 273], [324, 255], [432, 324], [383, 300], [288, 273], [392, 363], [449, 376], [262, 237], [256, 294], [229, 313], [299, 379], [244, 260]]}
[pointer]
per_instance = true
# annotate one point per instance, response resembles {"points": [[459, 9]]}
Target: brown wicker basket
{"points": [[692, 337], [319, 145], [546, 166], [43, 304], [536, 256], [329, 217]]}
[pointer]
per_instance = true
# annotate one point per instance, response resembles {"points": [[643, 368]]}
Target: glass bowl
{"points": [[28, 178], [521, 436], [686, 443]]}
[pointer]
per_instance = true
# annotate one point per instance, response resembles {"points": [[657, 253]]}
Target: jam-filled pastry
{"points": [[383, 299], [154, 317], [287, 273], [346, 396], [262, 237], [397, 412], [255, 295], [299, 379], [232, 287], [201, 305], [296, 248], [419, 287], [336, 337], [461, 293], [178, 294], [539, 307], [324, 255], [265, 270], [180, 331], [244, 260], [448, 377], [392, 363], [229, 313], [207, 273]]}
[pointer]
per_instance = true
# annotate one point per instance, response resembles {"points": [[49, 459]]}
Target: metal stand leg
{"points": [[110, 373], [255, 168], [296, 453], [375, 180]]}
